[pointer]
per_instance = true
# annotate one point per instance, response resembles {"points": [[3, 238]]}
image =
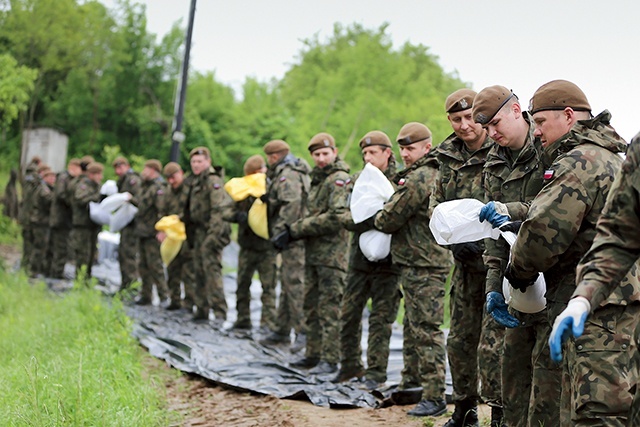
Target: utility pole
{"points": [[177, 136]]}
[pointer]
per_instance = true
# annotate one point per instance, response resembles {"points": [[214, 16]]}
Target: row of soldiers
{"points": [[543, 173]]}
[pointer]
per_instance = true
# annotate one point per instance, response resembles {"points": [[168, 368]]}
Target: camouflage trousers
{"points": [[384, 291], [27, 248], [474, 343], [289, 314], [84, 242], [634, 413], [128, 256], [39, 257], [423, 349], [151, 269], [530, 379], [599, 369], [180, 270], [207, 260], [322, 301], [60, 251], [250, 261]]}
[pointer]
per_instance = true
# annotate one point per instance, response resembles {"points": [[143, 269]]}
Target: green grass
{"points": [[71, 361]]}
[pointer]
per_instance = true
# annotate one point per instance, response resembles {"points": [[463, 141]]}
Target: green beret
{"points": [[460, 100], [488, 102], [321, 140], [413, 132], [375, 137], [558, 95]]}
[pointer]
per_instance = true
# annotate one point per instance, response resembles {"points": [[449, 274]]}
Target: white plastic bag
{"points": [[109, 188], [457, 221], [113, 202], [375, 245], [530, 301], [370, 192], [98, 214], [122, 217]]}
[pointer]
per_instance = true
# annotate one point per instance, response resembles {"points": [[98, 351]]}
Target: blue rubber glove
{"points": [[490, 213], [497, 308], [570, 321]]}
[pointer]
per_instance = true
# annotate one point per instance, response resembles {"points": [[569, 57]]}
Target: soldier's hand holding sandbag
{"points": [[498, 309], [517, 283]]}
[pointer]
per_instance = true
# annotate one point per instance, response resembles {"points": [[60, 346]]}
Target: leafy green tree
{"points": [[16, 83]]}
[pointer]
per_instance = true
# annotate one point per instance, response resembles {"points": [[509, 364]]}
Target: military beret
{"points": [[154, 164], [36, 160], [460, 100], [87, 159], [42, 166], [375, 137], [120, 161], [74, 161], [488, 102], [200, 150], [413, 132], [253, 164], [558, 95], [275, 146], [171, 168], [95, 167], [47, 171], [321, 140]]}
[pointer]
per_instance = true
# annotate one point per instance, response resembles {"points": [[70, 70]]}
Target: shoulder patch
{"points": [[283, 178], [339, 183], [132, 181], [216, 186], [160, 192], [83, 186], [548, 174], [402, 181], [348, 181]]}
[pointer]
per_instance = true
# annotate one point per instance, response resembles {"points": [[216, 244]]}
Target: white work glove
{"points": [[571, 320]]}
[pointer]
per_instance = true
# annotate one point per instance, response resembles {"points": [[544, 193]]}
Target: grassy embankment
{"points": [[71, 360]]}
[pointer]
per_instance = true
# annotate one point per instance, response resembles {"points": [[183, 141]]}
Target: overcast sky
{"points": [[517, 44]]}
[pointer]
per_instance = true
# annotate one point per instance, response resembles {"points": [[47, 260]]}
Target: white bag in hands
{"points": [[370, 192], [458, 221]]}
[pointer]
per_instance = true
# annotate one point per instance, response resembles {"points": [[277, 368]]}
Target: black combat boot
{"points": [[497, 417], [465, 414]]}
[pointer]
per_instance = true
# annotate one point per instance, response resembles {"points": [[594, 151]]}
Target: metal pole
{"points": [[176, 135]]}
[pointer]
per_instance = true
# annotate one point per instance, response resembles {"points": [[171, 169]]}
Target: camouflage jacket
{"points": [[175, 199], [609, 269], [247, 239], [41, 207], [131, 183], [325, 240], [287, 191], [209, 205], [514, 183], [406, 216], [60, 206], [30, 182], [150, 203], [460, 177], [357, 260], [561, 223], [84, 191]]}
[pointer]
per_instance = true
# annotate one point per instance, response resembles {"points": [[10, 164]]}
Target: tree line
{"points": [[99, 76]]}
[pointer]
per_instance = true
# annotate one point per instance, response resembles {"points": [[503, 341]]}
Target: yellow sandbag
{"points": [[258, 219], [175, 236], [251, 185]]}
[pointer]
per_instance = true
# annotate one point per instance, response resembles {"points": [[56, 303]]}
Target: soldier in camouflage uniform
{"points": [[39, 220], [181, 268], [581, 157], [608, 293], [326, 254], [128, 182], [208, 205], [60, 220], [29, 183], [512, 178], [256, 254], [424, 266], [150, 204], [71, 189], [474, 343], [376, 280], [286, 197], [85, 232]]}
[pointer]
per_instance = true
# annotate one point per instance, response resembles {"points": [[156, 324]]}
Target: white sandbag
{"points": [[457, 221], [122, 217], [530, 301], [109, 188], [370, 192], [113, 202], [98, 214], [375, 245]]}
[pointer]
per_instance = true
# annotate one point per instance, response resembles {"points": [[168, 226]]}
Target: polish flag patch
{"points": [[548, 174], [402, 181], [339, 183]]}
